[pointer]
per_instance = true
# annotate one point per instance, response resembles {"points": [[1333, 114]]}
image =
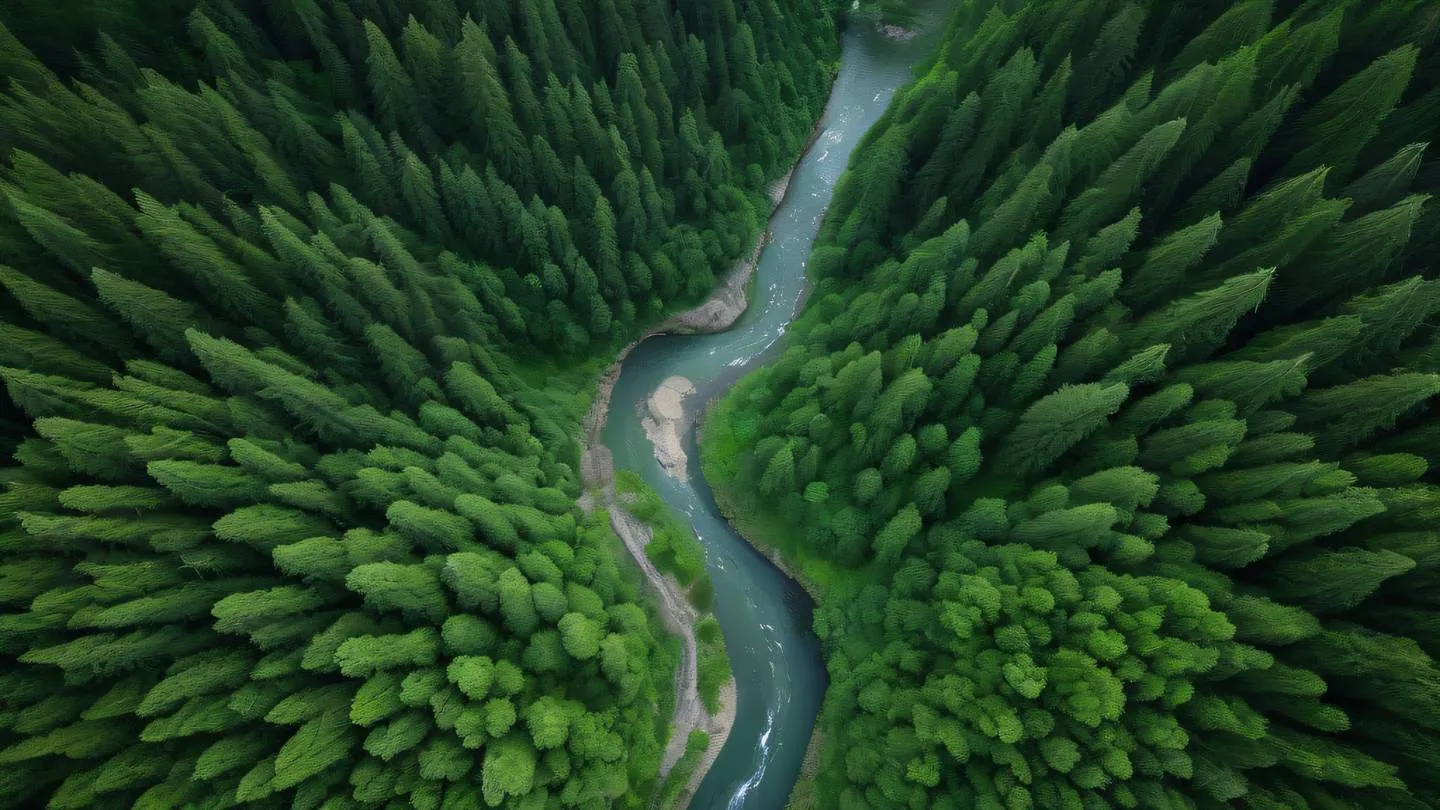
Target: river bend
{"points": [[765, 617]]}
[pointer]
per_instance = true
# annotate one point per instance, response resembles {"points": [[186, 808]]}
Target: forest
{"points": [[1106, 435], [1104, 438], [300, 303]]}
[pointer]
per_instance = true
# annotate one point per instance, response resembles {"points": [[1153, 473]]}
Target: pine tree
{"points": [[1339, 126], [1352, 412], [288, 511], [1195, 326], [488, 105], [1054, 424], [1232, 486], [71, 318]]}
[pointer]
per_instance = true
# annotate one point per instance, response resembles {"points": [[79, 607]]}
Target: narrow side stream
{"points": [[766, 618]]}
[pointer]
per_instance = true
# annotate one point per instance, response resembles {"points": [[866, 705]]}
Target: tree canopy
{"points": [[1116, 387], [294, 297]]}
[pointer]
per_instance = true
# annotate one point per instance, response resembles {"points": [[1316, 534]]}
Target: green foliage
{"points": [[714, 663], [673, 546], [286, 484], [683, 769], [1137, 514], [676, 550]]}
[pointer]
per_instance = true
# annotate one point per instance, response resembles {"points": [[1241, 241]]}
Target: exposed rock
{"points": [[665, 422], [715, 314], [898, 33]]}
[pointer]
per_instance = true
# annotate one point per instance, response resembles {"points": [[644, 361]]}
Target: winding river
{"points": [[765, 617]]}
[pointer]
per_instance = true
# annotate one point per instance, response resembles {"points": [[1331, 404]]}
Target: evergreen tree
{"points": [[1178, 332], [287, 517]]}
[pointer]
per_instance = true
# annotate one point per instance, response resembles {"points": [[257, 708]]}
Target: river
{"points": [[765, 617]]}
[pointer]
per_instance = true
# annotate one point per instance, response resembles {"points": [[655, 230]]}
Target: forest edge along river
{"points": [[764, 616], [657, 388]]}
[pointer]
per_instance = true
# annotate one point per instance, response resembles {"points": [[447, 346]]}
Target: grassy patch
{"points": [[679, 777], [676, 550], [712, 662], [673, 547]]}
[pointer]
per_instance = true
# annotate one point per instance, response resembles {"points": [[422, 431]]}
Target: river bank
{"points": [[747, 527], [766, 618], [679, 618], [716, 313]]}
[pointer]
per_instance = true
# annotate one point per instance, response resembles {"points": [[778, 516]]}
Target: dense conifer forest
{"points": [[1104, 439], [1106, 436], [290, 292]]}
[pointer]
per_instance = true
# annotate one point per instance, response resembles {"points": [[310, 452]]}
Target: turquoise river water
{"points": [[765, 617]]}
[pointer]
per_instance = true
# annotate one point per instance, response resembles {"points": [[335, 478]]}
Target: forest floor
{"points": [[716, 313]]}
